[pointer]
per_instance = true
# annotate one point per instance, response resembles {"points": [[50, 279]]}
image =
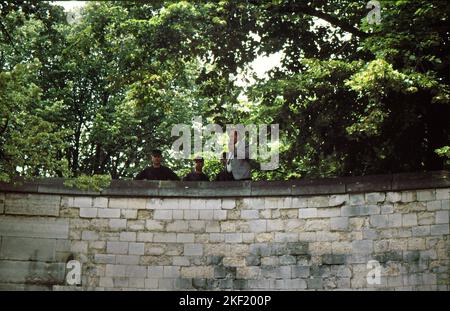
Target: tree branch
{"points": [[329, 18], [337, 22]]}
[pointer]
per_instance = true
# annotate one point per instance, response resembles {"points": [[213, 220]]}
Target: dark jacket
{"points": [[194, 176], [224, 176], [161, 173]]}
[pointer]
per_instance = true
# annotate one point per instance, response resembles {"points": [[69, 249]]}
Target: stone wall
{"points": [[299, 235]]}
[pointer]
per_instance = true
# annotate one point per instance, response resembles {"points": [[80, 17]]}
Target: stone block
{"points": [[177, 226], [128, 214], [154, 203], [362, 246], [108, 213], [89, 235], [180, 261], [220, 214], [287, 260], [29, 249], [127, 203], [206, 214], [307, 213], [375, 197], [307, 236], [333, 259], [339, 223], [88, 212], [443, 194], [379, 221], [338, 199], [395, 220], [185, 238], [144, 237], [360, 210], [442, 217], [299, 202], [100, 202], [393, 197], [136, 283], [409, 196], [191, 214], [117, 224], [171, 271], [105, 258], [317, 225], [274, 225], [134, 271], [151, 283], [136, 248], [233, 261], [34, 227], [228, 203], [434, 205], [162, 215], [286, 237], [409, 220], [127, 259], [154, 225], [197, 204], [155, 272], [329, 212], [193, 250], [164, 237], [357, 199], [197, 226], [248, 237], [426, 195], [197, 272], [318, 201], [113, 247], [387, 209], [32, 204], [421, 231], [127, 236], [31, 272], [216, 237], [249, 214], [257, 225], [441, 229], [233, 237]]}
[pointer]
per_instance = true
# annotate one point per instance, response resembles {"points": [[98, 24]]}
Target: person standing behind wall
{"points": [[197, 174], [157, 171], [239, 168], [224, 175]]}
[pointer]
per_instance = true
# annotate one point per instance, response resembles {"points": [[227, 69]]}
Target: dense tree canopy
{"points": [[94, 95]]}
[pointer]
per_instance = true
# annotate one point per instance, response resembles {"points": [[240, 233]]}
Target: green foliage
{"points": [[445, 153], [94, 182], [93, 97]]}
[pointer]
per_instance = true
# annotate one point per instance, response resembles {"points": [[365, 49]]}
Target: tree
{"points": [[351, 98]]}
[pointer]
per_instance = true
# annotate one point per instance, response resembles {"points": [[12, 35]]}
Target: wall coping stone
{"points": [[300, 187]]}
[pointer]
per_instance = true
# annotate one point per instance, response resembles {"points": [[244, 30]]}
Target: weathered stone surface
{"points": [[29, 249], [32, 204], [360, 210], [38, 273], [311, 238], [34, 227]]}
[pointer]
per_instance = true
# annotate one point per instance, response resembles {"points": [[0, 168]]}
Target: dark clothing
{"points": [[160, 173], [194, 176], [224, 176]]}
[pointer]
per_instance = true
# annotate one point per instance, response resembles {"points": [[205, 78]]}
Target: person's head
{"points": [[156, 157], [198, 162]]}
